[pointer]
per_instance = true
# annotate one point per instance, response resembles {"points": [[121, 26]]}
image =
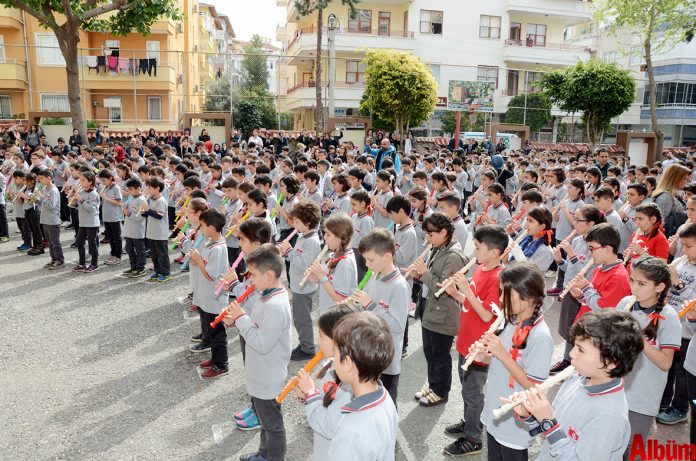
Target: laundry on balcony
{"points": [[123, 66], [113, 63], [91, 63], [120, 66], [148, 65]]}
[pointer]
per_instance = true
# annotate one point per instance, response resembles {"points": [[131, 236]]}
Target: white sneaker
{"points": [[550, 274]]}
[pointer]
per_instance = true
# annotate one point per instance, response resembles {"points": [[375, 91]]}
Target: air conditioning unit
{"points": [[180, 79]]}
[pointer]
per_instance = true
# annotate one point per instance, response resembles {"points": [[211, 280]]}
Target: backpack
{"points": [[675, 218]]}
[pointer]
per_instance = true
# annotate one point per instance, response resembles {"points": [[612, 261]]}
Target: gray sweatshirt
{"points": [[134, 225], [301, 256], [88, 208], [111, 212], [50, 206]]}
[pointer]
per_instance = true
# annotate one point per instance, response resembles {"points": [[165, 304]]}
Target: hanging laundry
{"points": [[124, 66], [152, 66], [101, 63], [91, 62], [143, 66], [113, 63], [133, 66]]}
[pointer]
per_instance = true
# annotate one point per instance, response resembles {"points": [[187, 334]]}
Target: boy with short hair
{"points": [[266, 332], [355, 179], [450, 205], [604, 200], [363, 349], [589, 415], [112, 210], [134, 230], [157, 229], [480, 300], [311, 182], [387, 295], [208, 263], [635, 196], [49, 218]]}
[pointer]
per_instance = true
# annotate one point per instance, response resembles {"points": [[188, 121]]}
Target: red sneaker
{"points": [[214, 372], [208, 363], [554, 291], [179, 260], [193, 308]]}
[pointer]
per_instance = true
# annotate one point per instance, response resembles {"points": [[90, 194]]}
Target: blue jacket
{"points": [[379, 153]]}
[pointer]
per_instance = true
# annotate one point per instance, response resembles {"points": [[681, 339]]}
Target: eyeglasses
{"points": [[594, 248], [580, 220]]}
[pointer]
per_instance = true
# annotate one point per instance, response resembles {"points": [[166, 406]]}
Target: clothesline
{"points": [[127, 66]]}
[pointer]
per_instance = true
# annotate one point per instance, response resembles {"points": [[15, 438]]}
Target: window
{"points": [[435, 70], [515, 31], [531, 78], [489, 27], [355, 72], [431, 22], [47, 51], [672, 93], [384, 25], [154, 108], [513, 78], [153, 49], [2, 49], [488, 74], [536, 35], [55, 103], [363, 23], [636, 56], [113, 103], [5, 106]]}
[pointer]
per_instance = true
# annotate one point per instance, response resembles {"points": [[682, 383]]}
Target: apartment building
{"points": [[124, 81], [507, 42]]}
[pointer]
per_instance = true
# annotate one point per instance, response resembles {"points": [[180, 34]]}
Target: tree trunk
{"points": [[68, 39], [652, 88], [318, 110]]}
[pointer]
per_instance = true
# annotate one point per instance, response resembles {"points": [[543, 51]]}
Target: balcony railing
{"points": [[338, 85], [547, 45], [373, 32]]}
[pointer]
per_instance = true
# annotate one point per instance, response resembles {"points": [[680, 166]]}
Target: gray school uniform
{"points": [[460, 182], [315, 196], [542, 257], [362, 225], [60, 173], [614, 219], [88, 208], [687, 274], [592, 422], [406, 245], [573, 266], [238, 288], [469, 183], [500, 214], [232, 208], [535, 360], [17, 204], [325, 185], [405, 182], [157, 229], [215, 195], [461, 231], [205, 178], [111, 212], [646, 382], [563, 226], [629, 227], [418, 226], [301, 256], [288, 204], [391, 297], [382, 221], [134, 225], [618, 203], [267, 333], [367, 430], [344, 279], [216, 265], [323, 420], [370, 179], [690, 359], [50, 207], [589, 190], [27, 205], [3, 185], [341, 203]]}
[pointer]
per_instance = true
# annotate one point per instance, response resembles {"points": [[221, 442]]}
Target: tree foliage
{"points": [[535, 111], [449, 122], [67, 17], [254, 67], [659, 25], [598, 90], [399, 89]]}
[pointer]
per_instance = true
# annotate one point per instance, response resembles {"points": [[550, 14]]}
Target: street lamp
{"points": [[333, 25]]}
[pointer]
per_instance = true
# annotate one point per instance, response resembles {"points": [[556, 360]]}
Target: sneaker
{"points": [[127, 272], [164, 278], [554, 291], [252, 457], [24, 247], [48, 266], [179, 260], [113, 260], [73, 245], [249, 424], [199, 348], [214, 371], [79, 268], [456, 429], [550, 274], [463, 446], [241, 415], [69, 226], [4, 239], [197, 338], [154, 277], [91, 268], [137, 273], [36, 251], [57, 265], [190, 295], [298, 354], [205, 364], [559, 366], [671, 416]]}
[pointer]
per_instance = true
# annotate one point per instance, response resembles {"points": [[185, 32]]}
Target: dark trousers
{"points": [[232, 254], [171, 214], [4, 231], [26, 236], [216, 337], [33, 228], [283, 235], [498, 452], [391, 384], [473, 380], [159, 253], [74, 220], [273, 443], [691, 386], [360, 262], [52, 233], [112, 232], [136, 253], [437, 347], [91, 235], [64, 210], [676, 394]]}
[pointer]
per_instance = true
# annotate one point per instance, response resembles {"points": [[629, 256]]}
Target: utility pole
{"points": [[332, 25]]}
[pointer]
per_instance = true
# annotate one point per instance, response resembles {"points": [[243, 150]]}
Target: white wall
{"points": [[216, 133], [53, 132]]}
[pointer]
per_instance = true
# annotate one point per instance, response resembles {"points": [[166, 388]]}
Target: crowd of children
{"points": [[265, 236]]}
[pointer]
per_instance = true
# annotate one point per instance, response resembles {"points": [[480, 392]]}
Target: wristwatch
{"points": [[679, 286], [544, 425]]}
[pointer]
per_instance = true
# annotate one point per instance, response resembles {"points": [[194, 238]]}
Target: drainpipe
{"points": [[27, 64]]}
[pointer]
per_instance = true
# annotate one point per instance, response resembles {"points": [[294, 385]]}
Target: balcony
{"points": [[281, 33], [13, 74], [164, 27], [303, 95], [165, 80], [569, 11], [552, 54], [10, 18], [348, 41]]}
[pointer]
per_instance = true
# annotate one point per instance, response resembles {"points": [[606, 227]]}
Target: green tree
{"points": [[217, 96], [449, 122], [399, 89], [247, 115], [659, 25], [254, 67], [306, 8], [533, 111], [377, 123], [67, 17], [600, 91]]}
